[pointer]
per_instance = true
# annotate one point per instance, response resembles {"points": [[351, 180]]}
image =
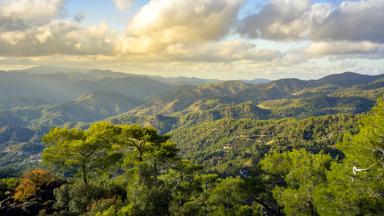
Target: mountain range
{"points": [[34, 100]]}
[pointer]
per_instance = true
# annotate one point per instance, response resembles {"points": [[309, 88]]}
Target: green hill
{"points": [[62, 87], [229, 141], [191, 105], [88, 108], [122, 98]]}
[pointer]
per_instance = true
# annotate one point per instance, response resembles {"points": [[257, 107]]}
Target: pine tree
{"points": [[356, 185]]}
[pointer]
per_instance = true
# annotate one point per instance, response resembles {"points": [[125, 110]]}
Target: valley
{"points": [[29, 107]]}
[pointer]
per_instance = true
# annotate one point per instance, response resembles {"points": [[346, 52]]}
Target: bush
{"points": [[33, 184]]}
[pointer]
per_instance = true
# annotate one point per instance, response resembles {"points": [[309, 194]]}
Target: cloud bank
{"points": [[208, 33]]}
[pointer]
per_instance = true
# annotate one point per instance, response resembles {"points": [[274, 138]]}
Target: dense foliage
{"points": [[34, 101], [131, 170], [307, 184], [230, 143], [288, 147]]}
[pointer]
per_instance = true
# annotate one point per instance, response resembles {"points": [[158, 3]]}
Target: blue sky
{"points": [[229, 39], [96, 11]]}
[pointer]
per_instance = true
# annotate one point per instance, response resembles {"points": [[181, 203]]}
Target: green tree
{"points": [[141, 140], [7, 187], [356, 185], [296, 174], [185, 189], [76, 198], [228, 196], [147, 156], [85, 152]]}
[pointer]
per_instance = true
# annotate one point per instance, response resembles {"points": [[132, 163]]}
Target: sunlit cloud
{"points": [[354, 20], [300, 19], [22, 13], [124, 5], [201, 36], [165, 22], [342, 48], [56, 37]]}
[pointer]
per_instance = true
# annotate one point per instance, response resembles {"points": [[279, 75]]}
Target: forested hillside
{"points": [[190, 105], [309, 169], [230, 142], [176, 147], [33, 101]]}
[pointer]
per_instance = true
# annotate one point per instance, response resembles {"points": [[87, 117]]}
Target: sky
{"points": [[221, 39]]}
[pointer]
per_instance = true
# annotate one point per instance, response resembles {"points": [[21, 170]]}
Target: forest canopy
{"points": [[111, 169]]}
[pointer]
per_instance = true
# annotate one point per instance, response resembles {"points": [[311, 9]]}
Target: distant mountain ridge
{"points": [[92, 107], [241, 91], [196, 104], [32, 102], [94, 74], [346, 79], [22, 102], [59, 88]]}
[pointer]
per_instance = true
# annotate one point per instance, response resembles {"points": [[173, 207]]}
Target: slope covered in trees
{"points": [[229, 142], [272, 149], [152, 101], [191, 105], [132, 170], [308, 184]]}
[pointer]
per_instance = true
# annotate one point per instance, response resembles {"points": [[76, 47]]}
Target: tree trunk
{"points": [[84, 173], [140, 149], [140, 155]]}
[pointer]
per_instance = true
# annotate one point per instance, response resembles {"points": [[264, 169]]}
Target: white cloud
{"points": [[12, 38], [164, 22], [123, 5], [280, 19], [226, 51], [57, 37], [32, 28], [342, 48], [300, 19], [353, 20], [197, 36], [29, 12]]}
